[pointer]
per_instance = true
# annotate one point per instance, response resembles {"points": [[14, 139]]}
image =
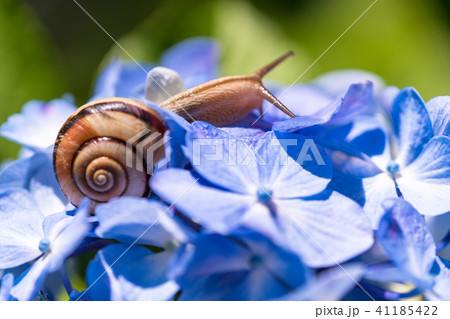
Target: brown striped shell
{"points": [[107, 149]]}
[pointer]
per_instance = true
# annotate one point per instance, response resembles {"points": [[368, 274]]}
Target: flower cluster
{"points": [[348, 201]]}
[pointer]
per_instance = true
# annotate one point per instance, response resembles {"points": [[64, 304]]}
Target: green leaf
{"points": [[27, 65]]}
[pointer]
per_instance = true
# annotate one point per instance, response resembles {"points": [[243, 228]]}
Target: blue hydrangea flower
{"points": [[28, 235], [242, 266], [137, 223], [139, 274], [38, 124], [405, 238], [410, 162], [271, 197]]}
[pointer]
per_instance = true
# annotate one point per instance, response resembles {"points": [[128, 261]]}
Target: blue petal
{"points": [[403, 234], [340, 111], [425, 183], [5, 286], [36, 174], [64, 237], [37, 126], [64, 242], [308, 225], [441, 289], [336, 83], [250, 136], [138, 274], [439, 110], [33, 279], [177, 128], [214, 208], [121, 79], [140, 221], [412, 125], [222, 159], [245, 266], [194, 59], [20, 228], [377, 188], [329, 285], [294, 166], [356, 101], [301, 122]]}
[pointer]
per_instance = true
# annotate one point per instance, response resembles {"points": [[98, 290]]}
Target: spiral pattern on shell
{"points": [[101, 150]]}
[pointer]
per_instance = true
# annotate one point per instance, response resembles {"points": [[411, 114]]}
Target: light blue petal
{"points": [[329, 285], [301, 122], [403, 234], [5, 286], [357, 100], [177, 128], [214, 208], [37, 126], [120, 272], [20, 228], [121, 78], [19, 172], [377, 188], [36, 174], [195, 59], [341, 110], [27, 288], [294, 166], [441, 289], [308, 226], [425, 183], [336, 83], [222, 159], [140, 221], [386, 273], [412, 125], [439, 110], [64, 242], [250, 136]]}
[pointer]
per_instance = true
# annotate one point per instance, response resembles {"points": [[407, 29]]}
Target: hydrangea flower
{"points": [[242, 266], [38, 124], [407, 242], [407, 160], [28, 235], [121, 271], [276, 197]]}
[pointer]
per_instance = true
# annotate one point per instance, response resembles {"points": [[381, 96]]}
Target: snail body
{"points": [[226, 100], [96, 153]]}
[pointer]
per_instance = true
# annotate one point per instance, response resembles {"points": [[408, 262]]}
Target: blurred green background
{"points": [[48, 48]]}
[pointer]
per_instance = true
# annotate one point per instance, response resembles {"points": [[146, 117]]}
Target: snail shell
{"points": [[101, 150]]}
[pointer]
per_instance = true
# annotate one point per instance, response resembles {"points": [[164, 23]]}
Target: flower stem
{"points": [[65, 280]]}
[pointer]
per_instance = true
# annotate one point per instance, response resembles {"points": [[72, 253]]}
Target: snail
{"points": [[93, 156], [226, 100]]}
